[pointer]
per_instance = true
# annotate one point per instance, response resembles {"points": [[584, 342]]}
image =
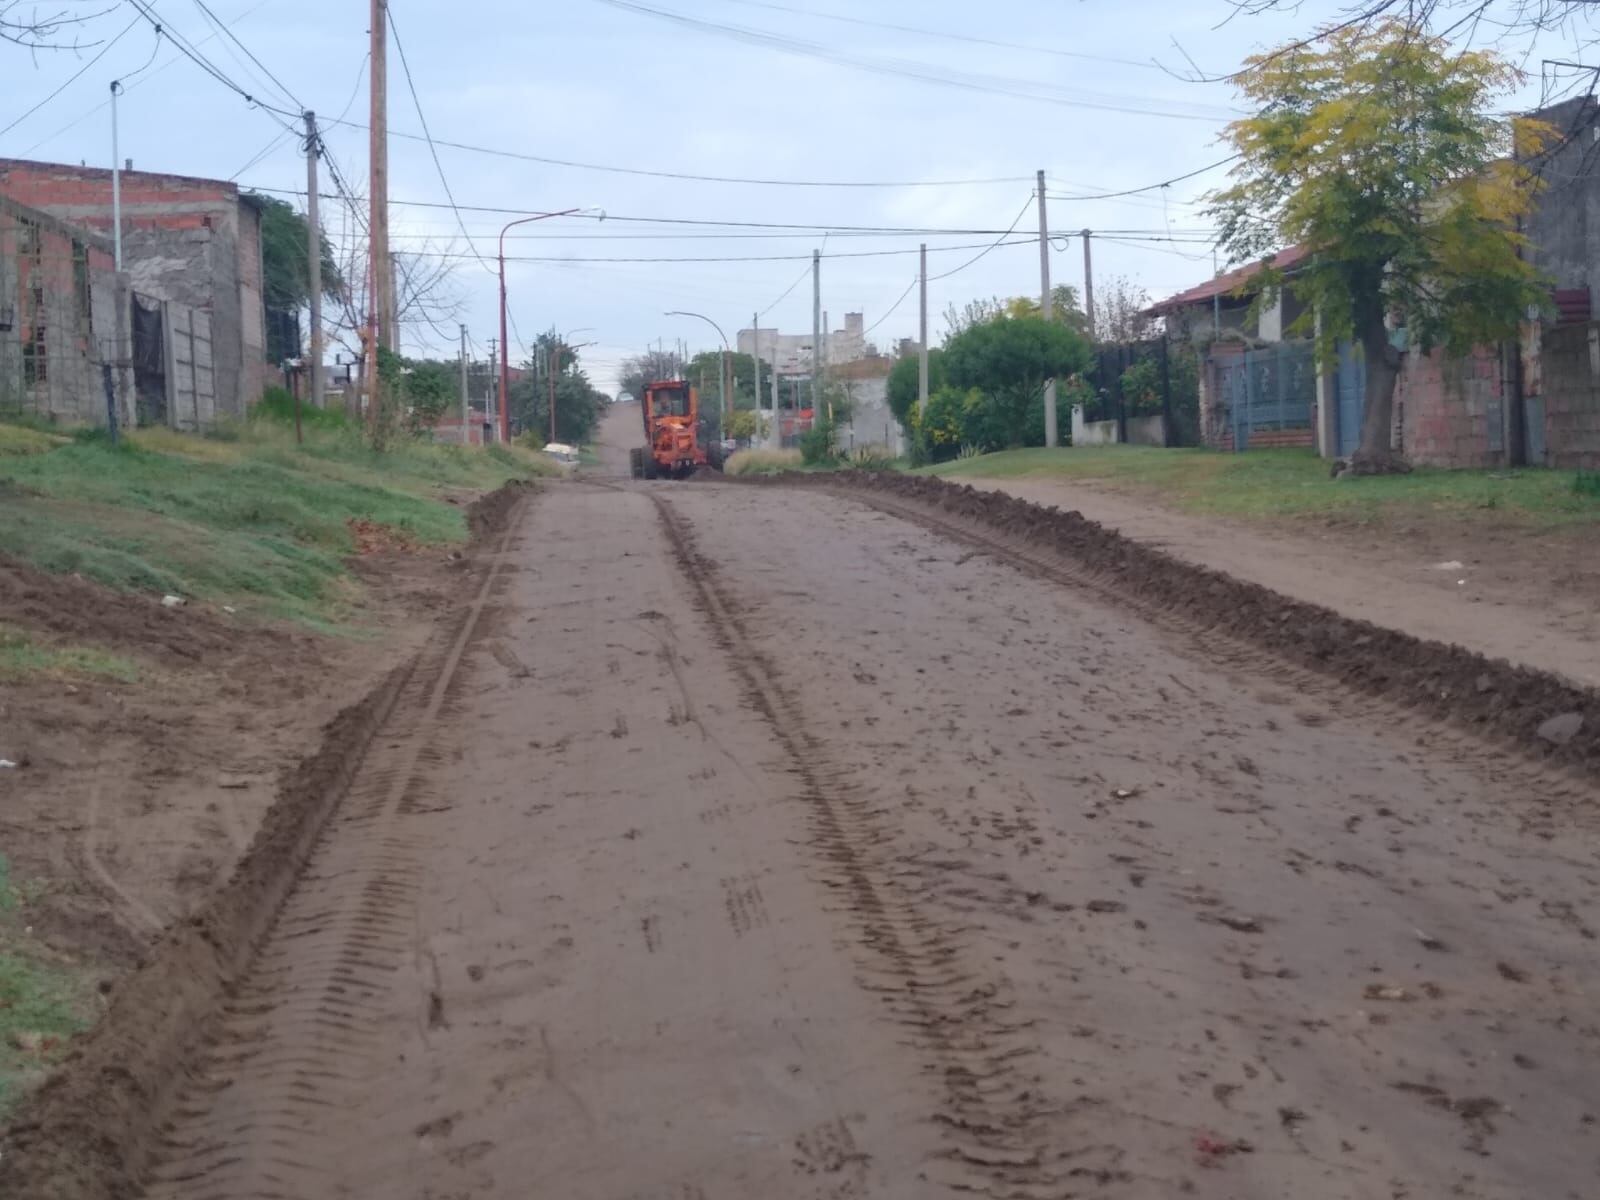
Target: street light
{"points": [[723, 382], [505, 346]]}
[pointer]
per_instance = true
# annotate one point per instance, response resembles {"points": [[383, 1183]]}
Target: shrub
{"points": [[1587, 483], [761, 462], [816, 444], [871, 458], [277, 405]]}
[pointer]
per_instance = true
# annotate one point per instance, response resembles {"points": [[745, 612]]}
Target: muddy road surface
{"points": [[750, 842]]}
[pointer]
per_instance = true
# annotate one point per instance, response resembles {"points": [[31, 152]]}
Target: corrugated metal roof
{"points": [[1228, 282]]}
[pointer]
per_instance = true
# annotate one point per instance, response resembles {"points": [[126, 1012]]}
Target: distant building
{"points": [[193, 242], [791, 353]]}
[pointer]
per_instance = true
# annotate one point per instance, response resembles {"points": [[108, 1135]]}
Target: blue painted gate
{"points": [[1352, 397], [1270, 389]]}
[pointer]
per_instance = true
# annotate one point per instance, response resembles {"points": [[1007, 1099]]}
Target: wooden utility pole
{"points": [[554, 368], [378, 261], [314, 259], [922, 336], [1052, 436]]}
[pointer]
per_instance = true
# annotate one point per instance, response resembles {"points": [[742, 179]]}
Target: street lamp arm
{"points": [[505, 345], [707, 320]]}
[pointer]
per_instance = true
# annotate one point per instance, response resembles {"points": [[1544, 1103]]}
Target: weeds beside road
{"points": [[254, 521], [1283, 483]]}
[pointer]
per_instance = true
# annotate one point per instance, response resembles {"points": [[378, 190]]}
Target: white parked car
{"points": [[566, 455]]}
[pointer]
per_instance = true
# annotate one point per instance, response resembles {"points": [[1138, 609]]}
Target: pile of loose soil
{"points": [[1542, 714]]}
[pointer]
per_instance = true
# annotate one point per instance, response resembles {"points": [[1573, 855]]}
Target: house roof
{"points": [[1229, 282]]}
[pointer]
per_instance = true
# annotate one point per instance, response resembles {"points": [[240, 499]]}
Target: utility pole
{"points": [[314, 259], [554, 366], [1088, 285], [776, 436], [816, 335], [1052, 437], [116, 178], [755, 348], [466, 406], [378, 251], [825, 357], [922, 336], [492, 408]]}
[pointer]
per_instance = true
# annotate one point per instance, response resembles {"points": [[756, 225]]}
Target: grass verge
{"points": [[41, 1004], [21, 657], [254, 520], [1267, 483]]}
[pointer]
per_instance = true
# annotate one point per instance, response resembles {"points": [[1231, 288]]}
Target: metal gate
{"points": [[1269, 390], [149, 361], [1352, 393]]}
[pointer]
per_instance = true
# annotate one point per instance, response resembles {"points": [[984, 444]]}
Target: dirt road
{"points": [[748, 842], [1524, 595]]}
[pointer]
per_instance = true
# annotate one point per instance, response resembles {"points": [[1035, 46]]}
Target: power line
{"points": [[232, 37], [76, 75], [905, 68], [546, 160], [210, 68], [532, 258], [1221, 162], [739, 236], [971, 39], [1001, 240], [394, 32], [915, 279], [798, 280], [79, 120]]}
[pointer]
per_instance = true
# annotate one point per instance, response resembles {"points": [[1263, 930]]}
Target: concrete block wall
{"points": [[1449, 412], [192, 241], [60, 296], [1571, 384]]}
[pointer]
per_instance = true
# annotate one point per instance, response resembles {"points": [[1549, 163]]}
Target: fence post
{"points": [[111, 399]]}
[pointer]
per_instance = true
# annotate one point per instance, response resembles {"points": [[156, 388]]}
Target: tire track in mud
{"points": [[994, 1116], [285, 1054], [1489, 752]]}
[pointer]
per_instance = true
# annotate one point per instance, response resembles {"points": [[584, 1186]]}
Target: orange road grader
{"points": [[673, 448]]}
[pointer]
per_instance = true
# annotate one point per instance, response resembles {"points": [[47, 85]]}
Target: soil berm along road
{"points": [[794, 842]]}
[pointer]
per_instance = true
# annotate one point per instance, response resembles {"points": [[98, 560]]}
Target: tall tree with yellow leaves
{"points": [[1377, 148]]}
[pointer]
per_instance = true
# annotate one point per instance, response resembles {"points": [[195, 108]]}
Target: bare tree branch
{"points": [[26, 24]]}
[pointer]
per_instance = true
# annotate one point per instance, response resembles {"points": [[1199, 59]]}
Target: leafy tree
{"points": [[285, 271], [1377, 148], [904, 381], [1064, 309], [1119, 306], [578, 403], [743, 370], [1009, 360], [649, 367]]}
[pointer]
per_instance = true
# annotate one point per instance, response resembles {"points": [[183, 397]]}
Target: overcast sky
{"points": [[1085, 89]]}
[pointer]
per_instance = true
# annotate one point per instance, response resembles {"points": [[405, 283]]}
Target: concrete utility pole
{"points": [[555, 366], [1052, 437], [1088, 284], [922, 336], [825, 356], [314, 259], [466, 406], [492, 407], [775, 437], [378, 259], [816, 335], [755, 347], [116, 178]]}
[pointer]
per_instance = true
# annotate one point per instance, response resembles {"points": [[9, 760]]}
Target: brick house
{"points": [[193, 242]]}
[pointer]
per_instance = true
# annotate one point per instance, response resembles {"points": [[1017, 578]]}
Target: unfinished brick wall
{"points": [[1571, 386], [192, 241], [1449, 412], [59, 297]]}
